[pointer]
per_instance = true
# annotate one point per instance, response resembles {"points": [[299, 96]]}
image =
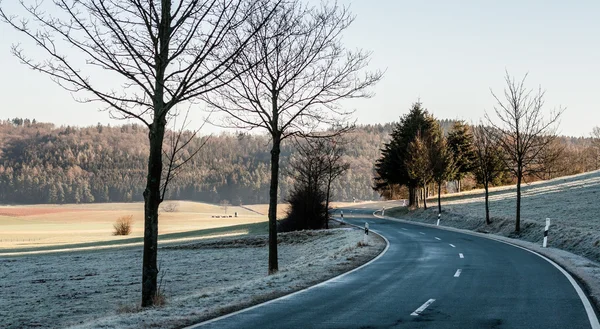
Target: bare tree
{"points": [[303, 72], [522, 131], [442, 165], [333, 151], [162, 53], [595, 147], [488, 162], [328, 152], [549, 160], [309, 167], [225, 205]]}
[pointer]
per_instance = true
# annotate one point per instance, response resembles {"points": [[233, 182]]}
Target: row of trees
{"points": [[517, 140], [270, 64], [419, 153]]}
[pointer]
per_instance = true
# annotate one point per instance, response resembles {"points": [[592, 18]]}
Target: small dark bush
{"points": [[307, 210]]}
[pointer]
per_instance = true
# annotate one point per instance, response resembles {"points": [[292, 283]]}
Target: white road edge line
{"points": [[458, 272], [422, 308], [404, 229], [584, 300], [222, 317], [421, 233], [461, 255], [453, 246], [586, 303], [438, 238]]}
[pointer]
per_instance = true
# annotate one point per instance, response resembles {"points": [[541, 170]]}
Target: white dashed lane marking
{"points": [[422, 308]]}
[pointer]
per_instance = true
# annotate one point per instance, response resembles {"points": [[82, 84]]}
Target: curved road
{"points": [[428, 278]]}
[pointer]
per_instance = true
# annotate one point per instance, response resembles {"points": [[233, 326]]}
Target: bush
{"points": [[170, 207], [307, 210], [123, 225]]}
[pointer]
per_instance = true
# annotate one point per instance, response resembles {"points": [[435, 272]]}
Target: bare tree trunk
{"points": [[487, 203], [518, 219], [327, 204], [273, 266], [151, 203], [439, 197], [156, 135], [425, 197], [412, 197]]}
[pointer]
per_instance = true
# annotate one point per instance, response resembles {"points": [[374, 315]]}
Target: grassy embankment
{"points": [[572, 204]]}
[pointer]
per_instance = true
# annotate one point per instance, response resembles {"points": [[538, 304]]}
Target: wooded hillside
{"points": [[42, 163]]}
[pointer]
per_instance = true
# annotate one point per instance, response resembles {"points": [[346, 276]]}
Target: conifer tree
{"points": [[460, 141]]}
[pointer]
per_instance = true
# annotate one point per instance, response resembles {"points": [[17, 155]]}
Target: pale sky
{"points": [[446, 53]]}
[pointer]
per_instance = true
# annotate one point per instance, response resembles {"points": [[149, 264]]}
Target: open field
{"points": [[101, 289], [282, 208], [43, 226], [572, 204]]}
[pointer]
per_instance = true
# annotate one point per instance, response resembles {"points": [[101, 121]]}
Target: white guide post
{"points": [[383, 211], [439, 216], [545, 245]]}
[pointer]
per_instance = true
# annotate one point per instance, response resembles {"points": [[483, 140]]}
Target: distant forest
{"points": [[42, 163]]}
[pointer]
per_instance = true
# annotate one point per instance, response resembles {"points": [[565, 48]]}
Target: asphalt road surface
{"points": [[428, 278]]}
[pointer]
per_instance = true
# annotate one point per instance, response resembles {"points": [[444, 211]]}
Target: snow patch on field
{"points": [[101, 289]]}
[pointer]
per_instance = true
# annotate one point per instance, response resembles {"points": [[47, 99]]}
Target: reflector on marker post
{"points": [[545, 244]]}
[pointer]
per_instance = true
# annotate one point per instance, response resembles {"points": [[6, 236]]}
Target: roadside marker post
{"points": [[342, 215], [545, 244], [439, 216], [366, 228], [383, 211]]}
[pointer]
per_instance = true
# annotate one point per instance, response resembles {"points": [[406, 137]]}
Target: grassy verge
{"points": [[579, 239]]}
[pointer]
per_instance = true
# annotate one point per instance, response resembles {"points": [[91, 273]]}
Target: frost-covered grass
{"points": [[101, 289], [572, 204]]}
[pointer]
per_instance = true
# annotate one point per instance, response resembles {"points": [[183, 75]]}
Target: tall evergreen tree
{"points": [[418, 163], [460, 141], [390, 168]]}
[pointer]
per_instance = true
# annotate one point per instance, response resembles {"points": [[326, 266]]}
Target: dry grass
{"points": [[123, 225], [159, 300], [263, 209], [282, 208], [56, 225]]}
